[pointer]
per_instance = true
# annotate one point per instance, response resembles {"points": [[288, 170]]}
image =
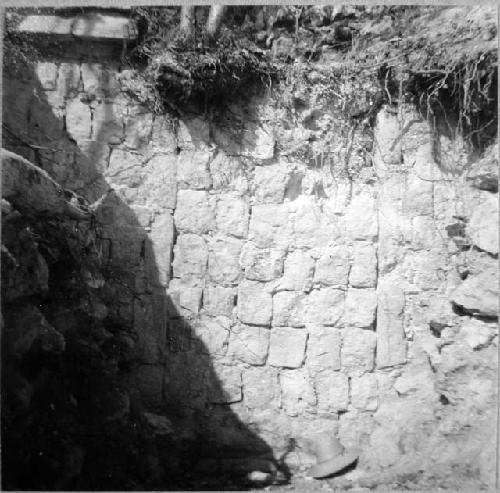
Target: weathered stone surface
{"points": [[261, 387], [160, 425], [262, 264], [186, 299], [255, 305], [218, 300], [298, 272], [125, 168], [212, 335], [478, 294], [138, 127], [483, 223], [323, 349], [417, 377], [269, 226], [477, 334], [287, 347], [288, 309], [260, 141], [297, 393], [107, 124], [361, 217], [311, 227], [418, 199], [226, 385], [249, 344], [325, 307], [424, 235], [363, 273], [194, 212], [227, 173], [192, 170], [364, 392], [391, 345], [358, 350], [47, 75], [360, 307], [224, 260], [160, 249], [270, 183], [232, 215], [190, 258], [68, 79], [193, 133], [332, 390], [387, 151], [78, 120], [483, 174], [332, 268], [159, 188]]}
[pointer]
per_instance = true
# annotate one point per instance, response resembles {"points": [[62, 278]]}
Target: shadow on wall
{"points": [[134, 401]]}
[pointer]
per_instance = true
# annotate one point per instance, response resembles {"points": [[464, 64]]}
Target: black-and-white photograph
{"points": [[249, 247]]}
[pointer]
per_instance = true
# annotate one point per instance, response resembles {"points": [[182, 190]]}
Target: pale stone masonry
{"points": [[334, 311]]}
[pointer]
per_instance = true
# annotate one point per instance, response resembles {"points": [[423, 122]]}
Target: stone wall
{"points": [[363, 306]]}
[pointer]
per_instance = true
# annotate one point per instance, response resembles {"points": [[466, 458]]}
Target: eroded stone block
{"points": [[332, 268], [224, 260], [298, 272], [358, 350], [261, 387], [249, 344], [360, 307], [232, 214], [364, 392], [325, 307], [287, 347], [363, 272], [218, 300], [297, 393], [192, 170], [288, 309], [332, 390], [190, 258], [270, 183], [194, 212], [255, 305], [262, 264], [323, 349]]}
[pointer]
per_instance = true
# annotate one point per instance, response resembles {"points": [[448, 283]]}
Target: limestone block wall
{"points": [[363, 306]]}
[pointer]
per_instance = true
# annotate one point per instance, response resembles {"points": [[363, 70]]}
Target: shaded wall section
{"points": [[107, 384]]}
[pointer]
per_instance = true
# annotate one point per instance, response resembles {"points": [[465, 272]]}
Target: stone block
{"points": [[418, 197], [361, 217], [218, 300], [262, 264], [325, 307], [255, 305], [78, 120], [125, 168], [228, 173], [193, 133], [68, 79], [477, 334], [261, 387], [270, 183], [298, 272], [186, 299], [249, 344], [323, 349], [150, 323], [163, 135], [269, 226], [358, 350], [364, 392], [391, 344], [363, 273], [483, 223], [159, 188], [211, 335], [360, 307], [332, 391], [311, 227], [225, 385], [297, 392], [138, 128], [194, 212], [260, 140], [288, 309], [287, 347], [332, 268], [159, 249], [232, 215], [224, 260], [192, 170], [190, 258], [107, 123], [47, 75], [478, 293]]}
